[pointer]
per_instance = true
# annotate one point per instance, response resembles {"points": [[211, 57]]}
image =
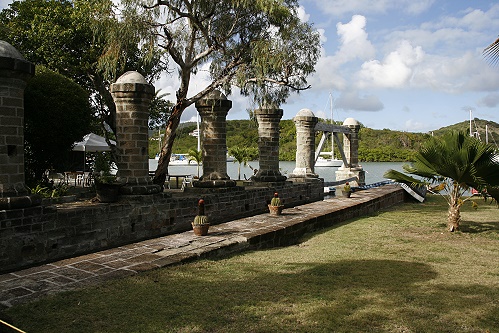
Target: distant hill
{"points": [[477, 125], [374, 145]]}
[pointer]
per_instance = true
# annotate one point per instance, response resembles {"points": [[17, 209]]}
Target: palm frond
{"points": [[491, 53]]}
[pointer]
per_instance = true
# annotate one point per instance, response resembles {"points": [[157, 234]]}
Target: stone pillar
{"points": [[14, 74], [305, 122], [268, 145], [132, 96], [213, 110], [351, 149]]}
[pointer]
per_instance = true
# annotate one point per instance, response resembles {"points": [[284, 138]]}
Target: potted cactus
{"points": [[276, 206], [200, 225], [347, 190]]}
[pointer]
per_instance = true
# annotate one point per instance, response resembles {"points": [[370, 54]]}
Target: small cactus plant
{"points": [[276, 201], [200, 225], [276, 206]]}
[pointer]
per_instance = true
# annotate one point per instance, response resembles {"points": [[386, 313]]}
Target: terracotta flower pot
{"points": [[200, 229], [275, 210]]}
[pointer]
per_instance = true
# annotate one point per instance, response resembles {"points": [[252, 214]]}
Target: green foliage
{"points": [[457, 162], [243, 155], [83, 40], [386, 145], [159, 111], [57, 114], [49, 190], [102, 168]]}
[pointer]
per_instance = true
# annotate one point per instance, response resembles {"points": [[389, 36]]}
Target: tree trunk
{"points": [[166, 150], [454, 217]]}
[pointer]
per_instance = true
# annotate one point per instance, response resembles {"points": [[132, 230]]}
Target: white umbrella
{"points": [[91, 143]]}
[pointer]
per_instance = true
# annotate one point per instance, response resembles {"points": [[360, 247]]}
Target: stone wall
{"points": [[40, 234]]}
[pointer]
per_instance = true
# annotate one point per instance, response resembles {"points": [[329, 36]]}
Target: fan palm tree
{"points": [[491, 52], [196, 156], [456, 162], [242, 155]]}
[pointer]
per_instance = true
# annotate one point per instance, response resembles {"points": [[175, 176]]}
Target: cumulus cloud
{"points": [[394, 71], [304, 17], [354, 40]]}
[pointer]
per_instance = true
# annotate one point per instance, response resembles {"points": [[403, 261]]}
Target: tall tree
{"points": [[73, 38], [57, 113], [456, 162], [261, 46]]}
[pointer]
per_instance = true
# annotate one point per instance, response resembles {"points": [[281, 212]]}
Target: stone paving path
{"points": [[91, 269]]}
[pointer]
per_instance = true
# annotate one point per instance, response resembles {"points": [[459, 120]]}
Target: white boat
{"points": [[181, 159], [326, 158]]}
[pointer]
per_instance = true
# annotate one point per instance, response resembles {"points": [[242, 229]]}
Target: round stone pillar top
{"points": [[305, 114], [9, 51], [11, 59], [270, 111], [132, 81], [215, 98], [132, 77], [350, 122]]}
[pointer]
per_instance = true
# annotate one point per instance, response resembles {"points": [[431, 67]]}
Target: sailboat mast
{"points": [[332, 123], [471, 129], [199, 134]]}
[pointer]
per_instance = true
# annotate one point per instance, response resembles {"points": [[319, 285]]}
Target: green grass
{"points": [[396, 271]]}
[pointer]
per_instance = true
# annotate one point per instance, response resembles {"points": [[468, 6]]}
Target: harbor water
{"points": [[374, 170]]}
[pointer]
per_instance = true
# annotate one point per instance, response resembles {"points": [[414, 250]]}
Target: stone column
{"points": [[351, 149], [132, 96], [14, 74], [213, 110], [268, 145], [305, 122]]}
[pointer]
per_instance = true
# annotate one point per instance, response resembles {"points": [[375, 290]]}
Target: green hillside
{"points": [[374, 145]]}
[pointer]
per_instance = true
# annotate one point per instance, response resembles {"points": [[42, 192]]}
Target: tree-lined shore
{"points": [[375, 145]]}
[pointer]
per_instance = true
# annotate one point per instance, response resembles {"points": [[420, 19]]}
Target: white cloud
{"points": [[395, 71], [351, 100], [412, 125], [354, 40], [304, 17]]}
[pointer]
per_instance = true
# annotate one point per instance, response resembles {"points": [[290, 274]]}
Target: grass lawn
{"points": [[399, 270]]}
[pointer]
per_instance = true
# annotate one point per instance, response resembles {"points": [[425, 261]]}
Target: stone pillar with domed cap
{"points": [[213, 110], [132, 96], [15, 72], [351, 149], [268, 144], [305, 122]]}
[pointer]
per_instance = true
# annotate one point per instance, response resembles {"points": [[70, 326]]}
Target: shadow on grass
{"points": [[478, 227], [343, 296]]}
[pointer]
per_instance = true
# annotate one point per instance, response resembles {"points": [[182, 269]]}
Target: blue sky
{"points": [[410, 65]]}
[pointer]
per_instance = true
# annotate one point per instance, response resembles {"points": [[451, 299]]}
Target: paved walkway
{"points": [[252, 232]]}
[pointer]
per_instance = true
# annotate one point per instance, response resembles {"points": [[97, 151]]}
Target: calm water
{"points": [[374, 170]]}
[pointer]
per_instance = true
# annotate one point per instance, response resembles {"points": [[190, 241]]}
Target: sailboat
{"points": [[326, 158], [476, 134]]}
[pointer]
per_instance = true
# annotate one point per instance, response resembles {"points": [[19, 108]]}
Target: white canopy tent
{"points": [[91, 143]]}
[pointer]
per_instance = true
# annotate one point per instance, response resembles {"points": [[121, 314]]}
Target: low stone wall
{"points": [[41, 234]]}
